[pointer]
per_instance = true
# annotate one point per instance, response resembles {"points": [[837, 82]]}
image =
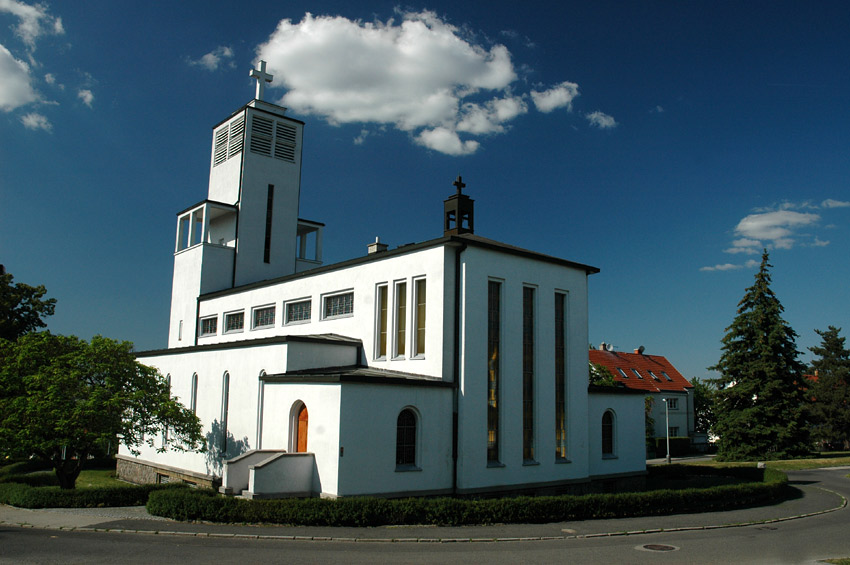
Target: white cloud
{"points": [[15, 82], [446, 141], [819, 242], [86, 96], [830, 203], [657, 110], [33, 21], [420, 74], [778, 228], [559, 96], [732, 267], [36, 121], [212, 60], [601, 120]]}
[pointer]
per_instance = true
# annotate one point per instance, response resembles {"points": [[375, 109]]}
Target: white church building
{"points": [[457, 365]]}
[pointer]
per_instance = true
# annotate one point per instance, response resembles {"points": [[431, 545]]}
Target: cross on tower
{"points": [[459, 184], [262, 78]]}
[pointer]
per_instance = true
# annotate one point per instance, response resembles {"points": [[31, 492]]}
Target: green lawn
{"points": [[840, 459]]}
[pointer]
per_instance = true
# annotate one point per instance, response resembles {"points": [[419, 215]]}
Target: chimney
{"points": [[603, 346], [640, 350], [376, 247]]}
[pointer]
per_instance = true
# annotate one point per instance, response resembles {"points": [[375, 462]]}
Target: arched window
{"points": [[405, 445], [608, 433], [193, 398]]}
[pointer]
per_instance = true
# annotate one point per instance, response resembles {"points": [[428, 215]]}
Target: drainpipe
{"points": [[456, 368]]}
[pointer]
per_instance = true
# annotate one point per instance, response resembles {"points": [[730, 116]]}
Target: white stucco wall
{"points": [[368, 435], [629, 434], [363, 281], [480, 266]]}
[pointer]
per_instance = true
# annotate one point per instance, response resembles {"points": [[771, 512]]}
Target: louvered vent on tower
{"points": [[237, 134], [262, 132], [284, 142], [228, 140], [220, 150], [273, 138]]}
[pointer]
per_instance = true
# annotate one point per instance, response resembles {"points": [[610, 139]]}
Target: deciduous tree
{"points": [[22, 307], [61, 397], [760, 401]]}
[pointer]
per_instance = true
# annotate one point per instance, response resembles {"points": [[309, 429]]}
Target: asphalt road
{"points": [[802, 540]]}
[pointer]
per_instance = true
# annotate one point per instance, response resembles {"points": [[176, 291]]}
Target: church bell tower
{"points": [[247, 230]]}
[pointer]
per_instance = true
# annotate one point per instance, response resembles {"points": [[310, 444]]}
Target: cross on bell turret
{"points": [[458, 216], [262, 78]]}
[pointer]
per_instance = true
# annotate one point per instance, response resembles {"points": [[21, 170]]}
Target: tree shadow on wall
{"points": [[221, 445]]}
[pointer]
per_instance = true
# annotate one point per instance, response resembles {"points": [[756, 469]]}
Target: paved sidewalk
{"points": [[813, 500]]}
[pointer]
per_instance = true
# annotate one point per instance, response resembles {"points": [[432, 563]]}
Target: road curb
{"points": [[430, 540]]}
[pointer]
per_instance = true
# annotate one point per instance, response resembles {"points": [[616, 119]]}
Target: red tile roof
{"points": [[651, 368]]}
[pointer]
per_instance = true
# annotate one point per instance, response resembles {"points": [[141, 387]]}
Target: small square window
{"points": [[298, 311], [234, 322], [338, 305], [263, 317], [622, 373], [666, 376], [638, 375], [654, 376], [673, 403], [209, 326]]}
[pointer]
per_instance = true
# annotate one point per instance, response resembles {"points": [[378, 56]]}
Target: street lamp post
{"points": [[667, 422]]}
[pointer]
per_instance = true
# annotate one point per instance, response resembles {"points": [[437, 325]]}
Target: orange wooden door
{"points": [[302, 430]]}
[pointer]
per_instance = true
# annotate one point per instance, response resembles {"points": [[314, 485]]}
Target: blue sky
{"points": [[666, 143]]}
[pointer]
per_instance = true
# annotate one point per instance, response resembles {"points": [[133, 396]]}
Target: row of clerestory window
{"points": [[296, 311]]}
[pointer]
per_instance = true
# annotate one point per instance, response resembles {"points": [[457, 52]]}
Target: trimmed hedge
{"points": [[190, 504], [26, 496]]}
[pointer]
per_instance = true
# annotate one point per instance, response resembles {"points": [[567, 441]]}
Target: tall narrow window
{"points": [[165, 429], [193, 402], [267, 250], [405, 444], [400, 318], [560, 376], [381, 325], [494, 305], [608, 433], [225, 402], [419, 319], [528, 373]]}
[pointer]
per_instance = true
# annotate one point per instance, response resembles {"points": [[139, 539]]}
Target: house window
{"points": [[673, 431], [419, 318], [494, 306], [193, 398], [635, 371], [673, 403], [338, 305], [608, 433], [528, 373], [381, 323], [622, 373], [209, 326], [234, 322], [400, 318], [263, 317], [405, 445], [298, 311], [653, 375], [560, 376], [225, 405], [666, 376]]}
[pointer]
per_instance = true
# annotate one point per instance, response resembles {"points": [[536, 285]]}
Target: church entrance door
{"points": [[302, 430]]}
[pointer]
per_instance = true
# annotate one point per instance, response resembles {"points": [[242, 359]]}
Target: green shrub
{"points": [[765, 485], [26, 496]]}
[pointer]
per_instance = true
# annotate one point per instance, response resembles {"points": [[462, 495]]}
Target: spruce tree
{"points": [[830, 391], [759, 406]]}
